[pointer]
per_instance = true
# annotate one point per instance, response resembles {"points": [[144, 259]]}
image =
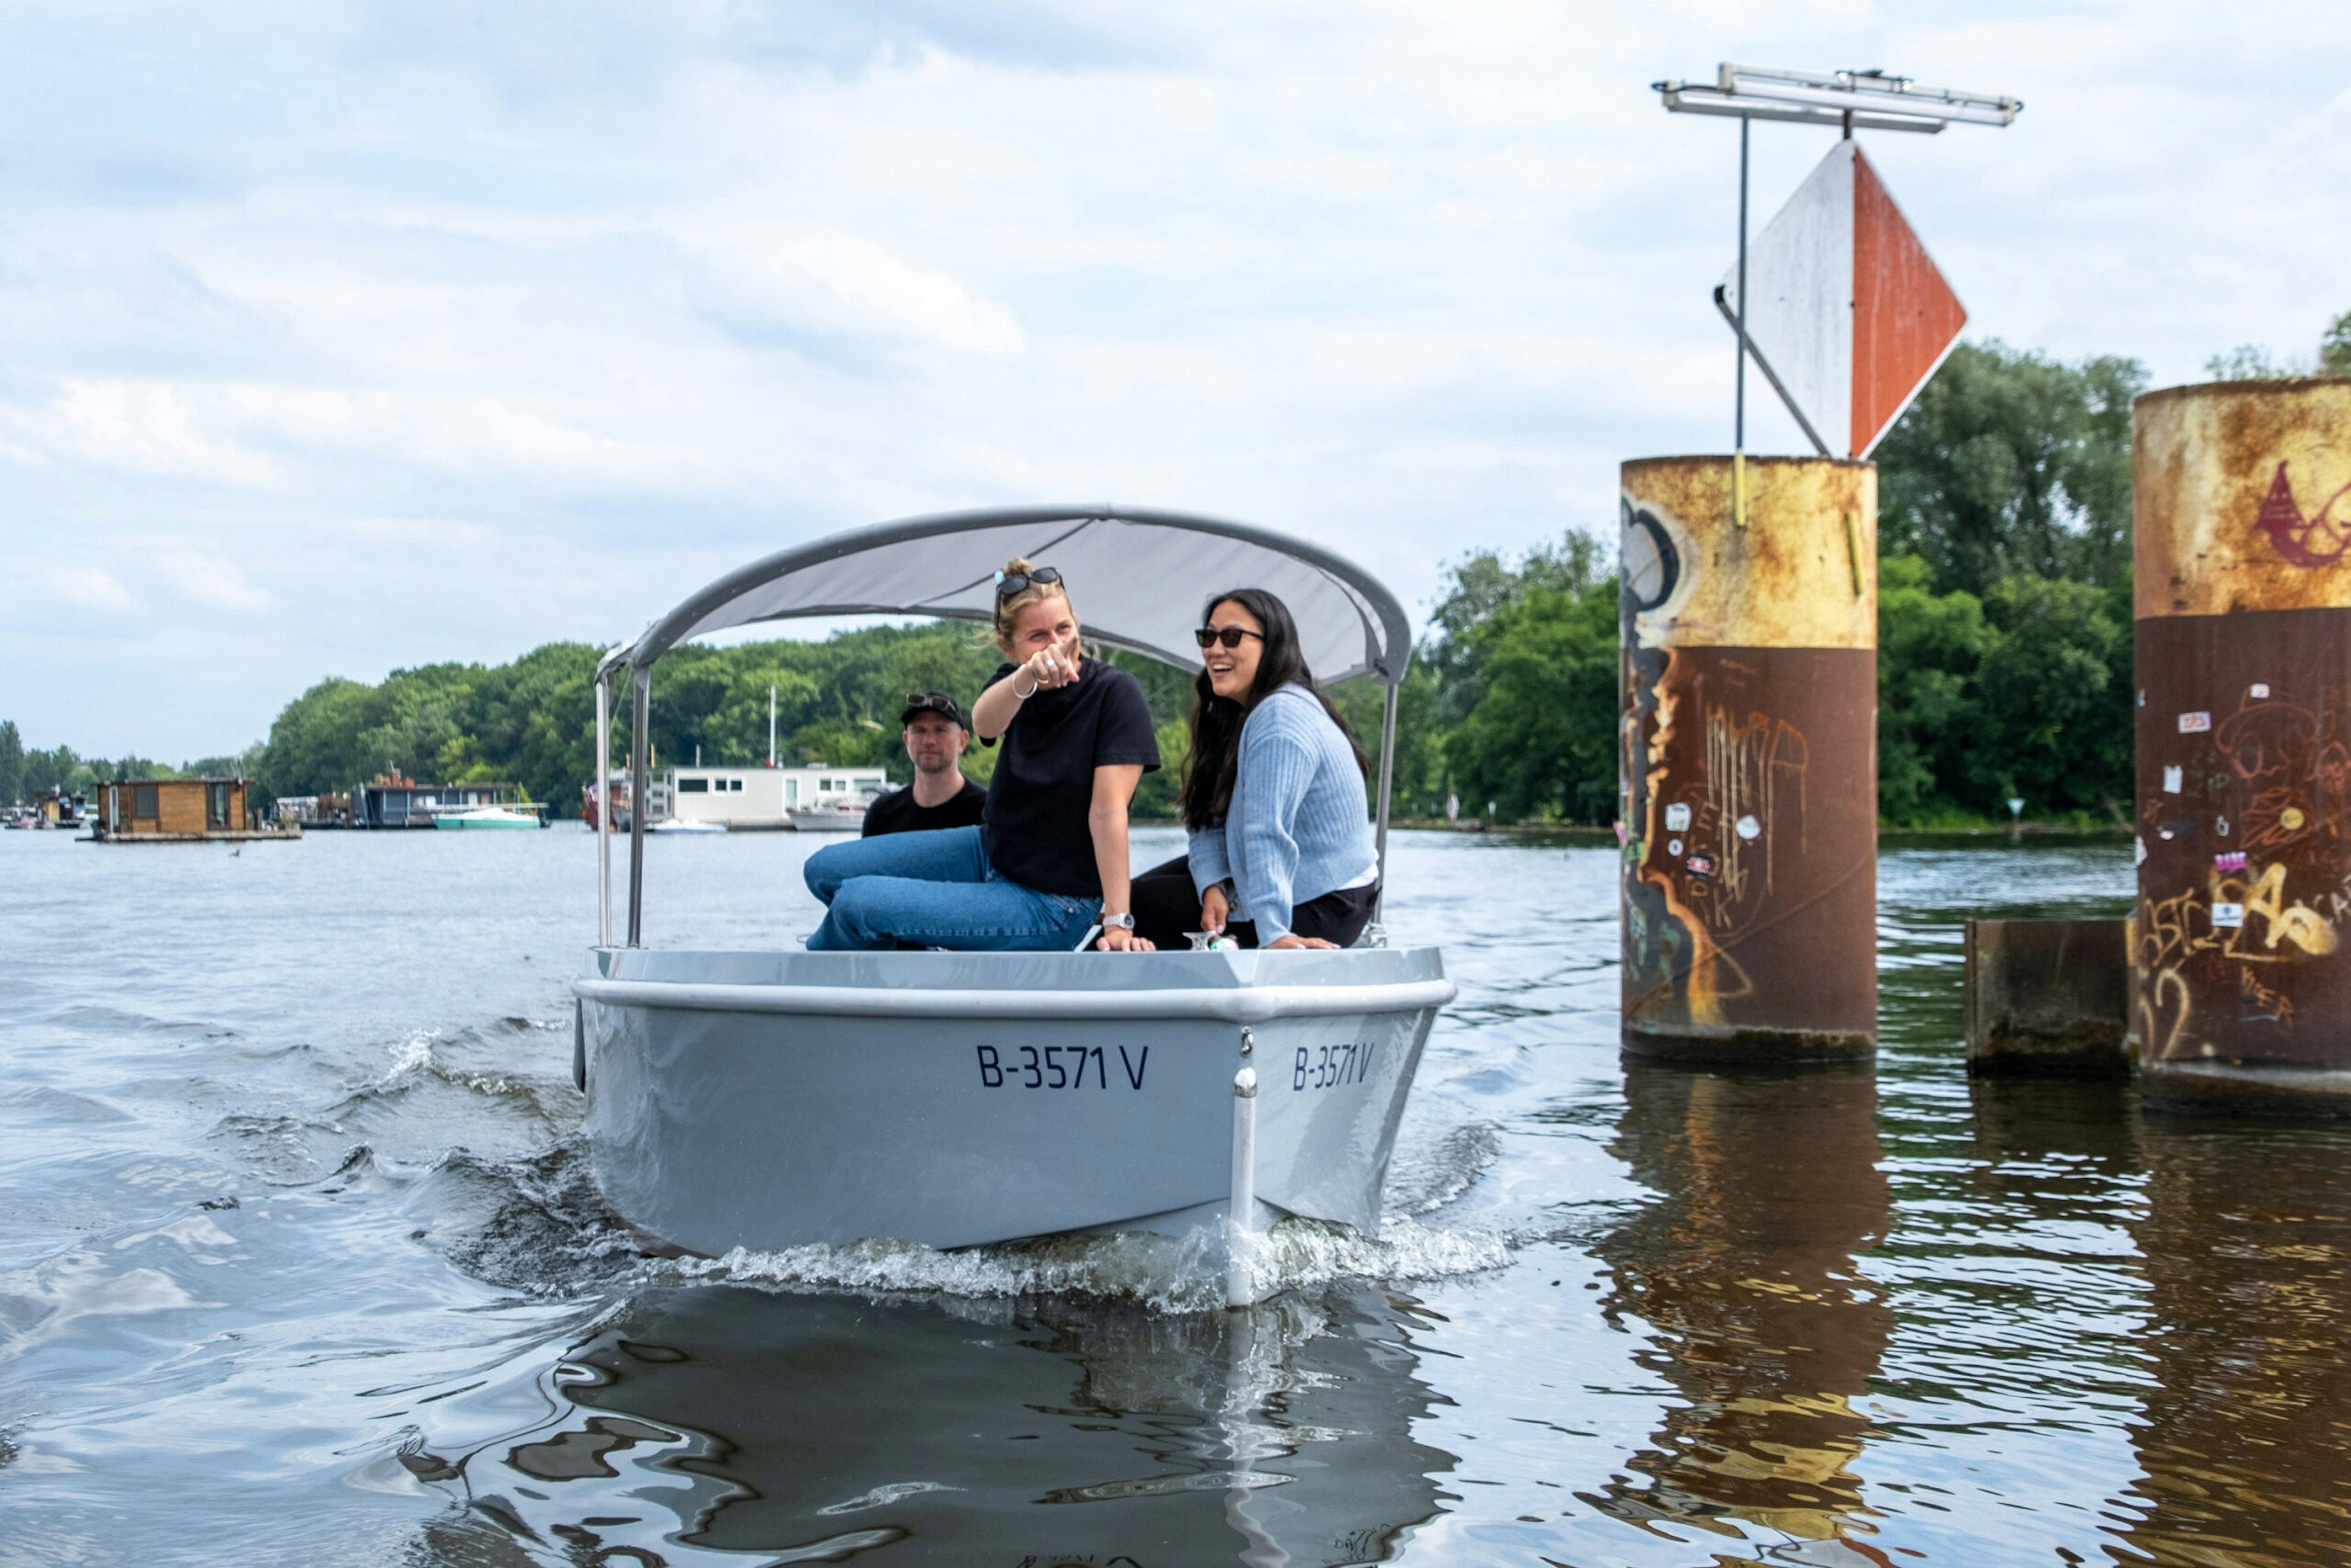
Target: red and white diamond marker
{"points": [[1850, 315]]}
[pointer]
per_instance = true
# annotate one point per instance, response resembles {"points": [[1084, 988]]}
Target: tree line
{"points": [[2004, 652]]}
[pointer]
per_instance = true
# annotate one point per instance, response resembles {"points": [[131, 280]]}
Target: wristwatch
{"points": [[1123, 922]]}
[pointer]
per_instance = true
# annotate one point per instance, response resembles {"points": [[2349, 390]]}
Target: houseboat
{"points": [[180, 812], [745, 799], [391, 801]]}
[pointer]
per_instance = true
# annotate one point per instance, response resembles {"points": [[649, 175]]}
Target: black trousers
{"points": [[1166, 906]]}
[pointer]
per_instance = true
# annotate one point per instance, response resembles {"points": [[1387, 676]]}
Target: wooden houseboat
{"points": [[179, 811]]}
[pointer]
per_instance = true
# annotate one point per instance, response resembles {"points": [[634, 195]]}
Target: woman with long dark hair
{"points": [[1280, 851]]}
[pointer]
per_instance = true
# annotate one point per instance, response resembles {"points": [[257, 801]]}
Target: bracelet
{"points": [[1021, 696]]}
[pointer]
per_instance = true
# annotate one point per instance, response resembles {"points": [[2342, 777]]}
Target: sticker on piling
{"points": [[1701, 865], [2228, 915], [2171, 780], [1678, 817], [2139, 846], [1673, 846], [2234, 860], [2195, 723], [2292, 819], [1749, 827], [2261, 688]]}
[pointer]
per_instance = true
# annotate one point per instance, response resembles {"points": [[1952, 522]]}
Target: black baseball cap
{"points": [[932, 702]]}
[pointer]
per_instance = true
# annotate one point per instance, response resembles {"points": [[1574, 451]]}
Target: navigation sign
{"points": [[1849, 314]]}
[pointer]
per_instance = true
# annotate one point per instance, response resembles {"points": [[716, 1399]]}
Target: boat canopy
{"points": [[1137, 578]]}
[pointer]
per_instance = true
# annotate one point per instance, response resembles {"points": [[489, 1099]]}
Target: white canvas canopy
{"points": [[1137, 578]]}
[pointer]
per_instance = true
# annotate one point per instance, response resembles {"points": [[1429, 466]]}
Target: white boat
{"points": [[685, 825], [765, 1100], [488, 817], [836, 817]]}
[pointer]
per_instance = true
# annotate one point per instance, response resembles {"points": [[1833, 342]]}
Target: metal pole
{"points": [[771, 726], [1387, 778], [1738, 417], [639, 793], [1240, 1236], [602, 797]]}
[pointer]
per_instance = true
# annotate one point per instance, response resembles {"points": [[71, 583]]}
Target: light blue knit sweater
{"points": [[1298, 826]]}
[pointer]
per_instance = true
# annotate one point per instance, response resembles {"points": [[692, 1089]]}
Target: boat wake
{"points": [[1164, 1273]]}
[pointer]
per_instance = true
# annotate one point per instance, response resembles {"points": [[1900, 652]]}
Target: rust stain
{"points": [[2242, 497], [1802, 574]]}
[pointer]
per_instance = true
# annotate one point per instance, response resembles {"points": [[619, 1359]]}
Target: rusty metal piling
{"points": [[1748, 760], [2240, 976]]}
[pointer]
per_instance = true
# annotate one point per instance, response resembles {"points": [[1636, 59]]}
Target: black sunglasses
{"points": [[1231, 636], [1006, 586]]}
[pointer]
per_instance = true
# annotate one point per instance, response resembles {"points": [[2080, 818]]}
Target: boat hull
{"points": [[766, 1101]]}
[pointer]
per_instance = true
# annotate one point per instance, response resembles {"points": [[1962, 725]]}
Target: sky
{"points": [[340, 338]]}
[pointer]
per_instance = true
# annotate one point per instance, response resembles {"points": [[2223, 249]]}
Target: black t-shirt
{"points": [[896, 812], [1043, 789]]}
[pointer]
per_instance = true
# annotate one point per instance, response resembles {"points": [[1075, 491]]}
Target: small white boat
{"points": [[766, 1099], [683, 825], [488, 817], [842, 817]]}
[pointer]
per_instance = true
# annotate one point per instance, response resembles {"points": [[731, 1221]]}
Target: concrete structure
{"points": [[745, 798], [2048, 997], [2241, 516], [1748, 751], [179, 811]]}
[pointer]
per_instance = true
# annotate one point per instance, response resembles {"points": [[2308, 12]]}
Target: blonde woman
{"points": [[1049, 860]]}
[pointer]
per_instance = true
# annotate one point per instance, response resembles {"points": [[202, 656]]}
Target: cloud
{"points": [[145, 427], [458, 434], [764, 282], [209, 579], [87, 587]]}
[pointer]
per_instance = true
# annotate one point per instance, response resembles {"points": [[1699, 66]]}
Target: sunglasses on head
{"points": [[930, 702], [1006, 586], [1231, 636]]}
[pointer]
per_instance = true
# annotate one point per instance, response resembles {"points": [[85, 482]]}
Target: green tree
{"points": [[1541, 740], [2010, 463], [1929, 649], [2249, 362], [12, 764], [2335, 347], [2055, 689]]}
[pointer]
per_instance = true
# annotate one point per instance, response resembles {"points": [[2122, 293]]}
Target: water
{"points": [[299, 1264]]}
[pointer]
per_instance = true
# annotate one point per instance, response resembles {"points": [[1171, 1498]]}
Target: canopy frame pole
{"points": [[1387, 780], [639, 797], [601, 808]]}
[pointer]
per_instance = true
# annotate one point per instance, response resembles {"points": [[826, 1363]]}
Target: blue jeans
{"points": [[935, 890]]}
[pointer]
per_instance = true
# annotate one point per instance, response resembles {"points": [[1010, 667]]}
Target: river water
{"points": [[299, 1263]]}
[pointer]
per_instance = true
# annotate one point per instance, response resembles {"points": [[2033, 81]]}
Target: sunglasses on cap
{"points": [[1231, 636], [931, 702], [1040, 577]]}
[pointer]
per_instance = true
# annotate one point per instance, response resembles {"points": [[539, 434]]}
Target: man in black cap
{"points": [[940, 796]]}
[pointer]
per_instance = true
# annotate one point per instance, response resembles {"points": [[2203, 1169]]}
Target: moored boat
{"points": [[836, 817], [766, 1099], [479, 817]]}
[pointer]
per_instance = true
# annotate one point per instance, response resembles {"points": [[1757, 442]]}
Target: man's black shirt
{"points": [[896, 812]]}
